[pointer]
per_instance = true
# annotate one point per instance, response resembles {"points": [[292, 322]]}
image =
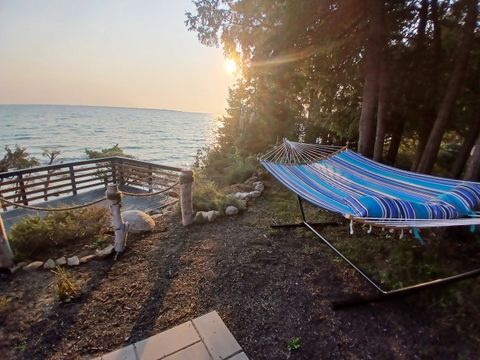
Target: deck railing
{"points": [[37, 184], [21, 188]]}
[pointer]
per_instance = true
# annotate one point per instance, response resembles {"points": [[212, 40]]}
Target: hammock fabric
{"points": [[340, 180]]}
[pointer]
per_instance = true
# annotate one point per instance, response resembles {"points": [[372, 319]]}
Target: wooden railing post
{"points": [[121, 175], [6, 255], [72, 180], [150, 178], [119, 226], [186, 196], [21, 182], [4, 206], [113, 163]]}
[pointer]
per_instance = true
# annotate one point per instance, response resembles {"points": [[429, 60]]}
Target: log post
{"points": [[119, 226], [186, 203], [6, 255]]}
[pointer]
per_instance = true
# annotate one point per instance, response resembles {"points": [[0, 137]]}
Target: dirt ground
{"points": [[268, 286]]}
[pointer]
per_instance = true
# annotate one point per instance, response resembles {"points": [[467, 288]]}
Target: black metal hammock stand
{"points": [[341, 181]]}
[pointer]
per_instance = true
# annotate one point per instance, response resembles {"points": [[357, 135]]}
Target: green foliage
{"points": [[226, 167], [64, 286], [304, 65], [230, 200], [17, 158], [51, 155], [4, 301], [294, 344], [207, 196], [35, 235], [113, 151], [100, 241]]}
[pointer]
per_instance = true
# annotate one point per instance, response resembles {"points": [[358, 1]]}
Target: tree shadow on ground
{"points": [[163, 270], [46, 335]]}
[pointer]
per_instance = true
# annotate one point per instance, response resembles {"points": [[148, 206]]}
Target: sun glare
{"points": [[230, 66]]}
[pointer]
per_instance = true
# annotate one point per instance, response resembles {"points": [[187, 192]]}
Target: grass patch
{"points": [[225, 167], [294, 344], [64, 286], [34, 235], [207, 196]]}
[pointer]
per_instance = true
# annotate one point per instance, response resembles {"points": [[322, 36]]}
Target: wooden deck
{"points": [[144, 203], [81, 182], [203, 338]]}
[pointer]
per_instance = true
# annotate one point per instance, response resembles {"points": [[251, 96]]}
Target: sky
{"points": [[126, 53]]}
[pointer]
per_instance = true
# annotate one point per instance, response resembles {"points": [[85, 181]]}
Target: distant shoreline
{"points": [[112, 107]]}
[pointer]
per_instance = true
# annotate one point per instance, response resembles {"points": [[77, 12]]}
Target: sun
{"points": [[230, 66]]}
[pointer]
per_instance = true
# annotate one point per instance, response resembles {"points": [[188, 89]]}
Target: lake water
{"points": [[162, 136]]}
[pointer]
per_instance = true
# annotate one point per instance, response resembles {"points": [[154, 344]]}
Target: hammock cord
{"points": [[290, 152]]}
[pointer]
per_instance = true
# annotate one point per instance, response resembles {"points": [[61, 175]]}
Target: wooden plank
{"points": [[66, 179], [149, 203], [36, 169], [66, 184], [30, 178], [72, 180], [146, 163], [77, 170]]}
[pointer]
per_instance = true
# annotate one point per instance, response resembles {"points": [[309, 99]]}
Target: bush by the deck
{"points": [[37, 235]]}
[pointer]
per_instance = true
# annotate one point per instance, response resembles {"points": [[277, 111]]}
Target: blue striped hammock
{"points": [[339, 180]]}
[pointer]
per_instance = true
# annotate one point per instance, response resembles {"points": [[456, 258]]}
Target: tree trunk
{"points": [[373, 53], [466, 148], [472, 171], [426, 116], [391, 156], [382, 113], [433, 145]]}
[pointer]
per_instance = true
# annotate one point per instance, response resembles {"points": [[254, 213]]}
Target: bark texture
{"points": [[373, 53], [433, 145], [472, 171]]}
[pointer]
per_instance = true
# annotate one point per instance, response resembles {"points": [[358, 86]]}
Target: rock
{"points": [[200, 217], [49, 264], [61, 261], [254, 194], [211, 215], [87, 258], [138, 221], [258, 186], [17, 267], [104, 252], [33, 266], [157, 216], [241, 195], [231, 210], [252, 180], [73, 261]]}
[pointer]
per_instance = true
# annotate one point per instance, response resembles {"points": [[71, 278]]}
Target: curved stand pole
{"points": [[382, 294]]}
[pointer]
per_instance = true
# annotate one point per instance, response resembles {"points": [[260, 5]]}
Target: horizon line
{"points": [[111, 106]]}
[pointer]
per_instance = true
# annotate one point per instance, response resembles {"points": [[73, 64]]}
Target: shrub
{"points": [[240, 170], [207, 196], [65, 288], [225, 167], [230, 200], [113, 151], [36, 235]]}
